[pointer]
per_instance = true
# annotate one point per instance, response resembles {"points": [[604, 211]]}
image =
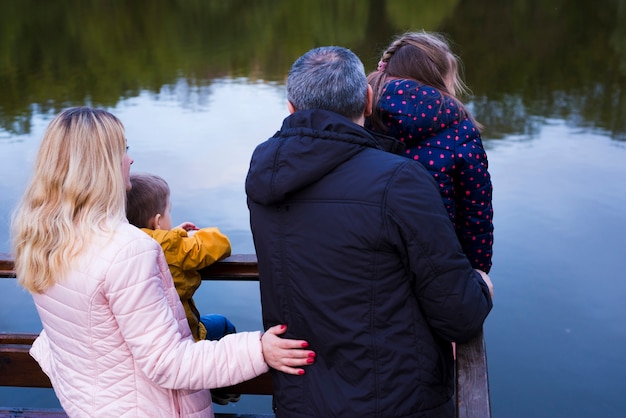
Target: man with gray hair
{"points": [[357, 255]]}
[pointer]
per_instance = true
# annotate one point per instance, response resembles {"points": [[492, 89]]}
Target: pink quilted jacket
{"points": [[116, 341]]}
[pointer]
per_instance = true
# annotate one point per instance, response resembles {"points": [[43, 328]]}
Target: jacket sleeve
{"points": [[451, 294], [151, 320], [473, 190], [40, 351], [203, 248]]}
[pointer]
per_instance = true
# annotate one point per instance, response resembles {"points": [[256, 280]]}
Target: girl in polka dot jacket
{"points": [[415, 100]]}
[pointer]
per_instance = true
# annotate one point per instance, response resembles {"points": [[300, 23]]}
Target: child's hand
{"points": [[188, 226], [284, 354]]}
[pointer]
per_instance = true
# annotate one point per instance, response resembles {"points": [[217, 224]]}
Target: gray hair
{"points": [[330, 78]]}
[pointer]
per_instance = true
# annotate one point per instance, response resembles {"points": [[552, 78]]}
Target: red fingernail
{"points": [[300, 371], [283, 326], [312, 354], [310, 360], [305, 344]]}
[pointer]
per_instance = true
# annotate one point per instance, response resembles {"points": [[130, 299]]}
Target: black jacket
{"points": [[358, 256]]}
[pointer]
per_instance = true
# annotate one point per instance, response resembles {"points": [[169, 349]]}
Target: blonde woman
{"points": [[115, 340]]}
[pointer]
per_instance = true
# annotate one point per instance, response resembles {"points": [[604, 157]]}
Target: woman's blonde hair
{"points": [[77, 191], [425, 57]]}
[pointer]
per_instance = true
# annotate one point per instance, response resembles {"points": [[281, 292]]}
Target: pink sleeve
{"points": [[151, 319]]}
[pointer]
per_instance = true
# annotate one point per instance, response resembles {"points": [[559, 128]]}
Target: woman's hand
{"points": [[283, 354]]}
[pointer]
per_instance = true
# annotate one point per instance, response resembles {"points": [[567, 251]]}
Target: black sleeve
{"points": [[451, 294]]}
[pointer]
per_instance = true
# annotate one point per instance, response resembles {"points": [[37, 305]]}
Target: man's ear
{"points": [[370, 101], [291, 107]]}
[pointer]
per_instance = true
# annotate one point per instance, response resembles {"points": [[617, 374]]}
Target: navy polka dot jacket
{"points": [[438, 134]]}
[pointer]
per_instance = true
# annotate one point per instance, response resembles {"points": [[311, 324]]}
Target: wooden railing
{"points": [[18, 368]]}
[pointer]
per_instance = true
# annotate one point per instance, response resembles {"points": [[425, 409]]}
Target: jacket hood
{"points": [[310, 144]]}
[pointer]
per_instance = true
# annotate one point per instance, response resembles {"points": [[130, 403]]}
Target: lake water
{"points": [[199, 84]]}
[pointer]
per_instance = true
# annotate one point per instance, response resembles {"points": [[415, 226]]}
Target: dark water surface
{"points": [[198, 84]]}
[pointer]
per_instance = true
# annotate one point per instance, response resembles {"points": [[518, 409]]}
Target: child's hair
{"points": [[425, 57], [147, 197]]}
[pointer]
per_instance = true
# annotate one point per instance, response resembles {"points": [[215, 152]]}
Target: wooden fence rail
{"points": [[19, 369]]}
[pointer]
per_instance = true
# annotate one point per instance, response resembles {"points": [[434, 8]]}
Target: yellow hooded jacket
{"points": [[185, 255]]}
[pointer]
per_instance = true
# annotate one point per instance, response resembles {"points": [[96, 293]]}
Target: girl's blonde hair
{"points": [[77, 191], [425, 57]]}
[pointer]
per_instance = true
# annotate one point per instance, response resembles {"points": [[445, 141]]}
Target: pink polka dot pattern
{"points": [[438, 134]]}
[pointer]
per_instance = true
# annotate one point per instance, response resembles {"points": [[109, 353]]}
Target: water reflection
{"points": [[532, 58], [199, 139]]}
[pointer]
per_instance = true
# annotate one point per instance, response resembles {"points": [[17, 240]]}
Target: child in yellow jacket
{"points": [[187, 249]]}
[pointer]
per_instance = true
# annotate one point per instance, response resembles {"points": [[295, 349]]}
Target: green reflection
{"points": [[524, 60]]}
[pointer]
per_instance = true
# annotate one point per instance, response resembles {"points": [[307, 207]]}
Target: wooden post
{"points": [[472, 380]]}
